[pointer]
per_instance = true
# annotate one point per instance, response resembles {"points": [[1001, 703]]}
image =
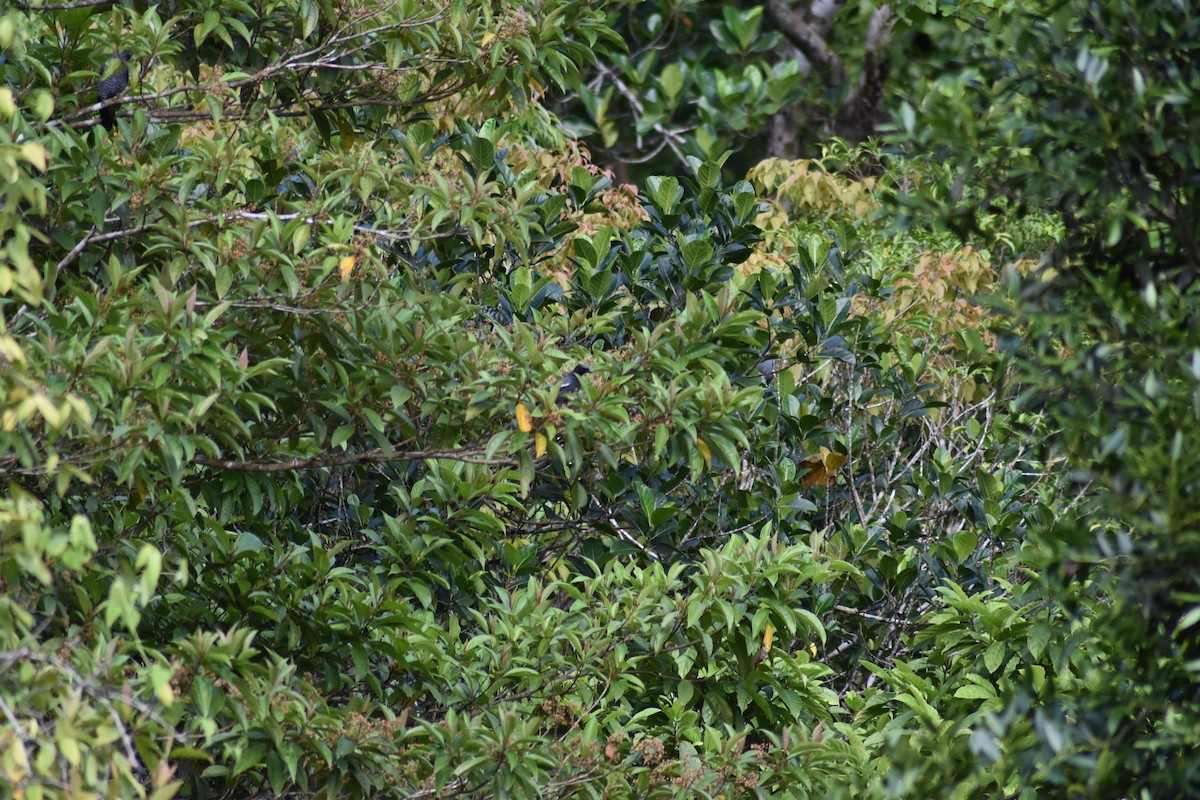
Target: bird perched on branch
{"points": [[116, 80], [571, 384]]}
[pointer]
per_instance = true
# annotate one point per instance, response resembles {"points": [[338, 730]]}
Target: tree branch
{"points": [[864, 100], [94, 236], [808, 39]]}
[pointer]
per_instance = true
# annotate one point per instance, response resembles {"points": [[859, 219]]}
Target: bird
{"points": [[765, 368], [117, 81], [570, 383]]}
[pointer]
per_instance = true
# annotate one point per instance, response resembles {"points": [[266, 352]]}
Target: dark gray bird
{"points": [[766, 368], [116, 70], [570, 384]]}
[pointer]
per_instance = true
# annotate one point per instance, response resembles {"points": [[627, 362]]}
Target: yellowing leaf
{"points": [[165, 694], [35, 154], [832, 461], [705, 451], [764, 652], [347, 266], [487, 39], [524, 418], [539, 444], [11, 350], [821, 468]]}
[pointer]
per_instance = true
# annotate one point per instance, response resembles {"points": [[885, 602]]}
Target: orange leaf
{"points": [[816, 473], [347, 266], [524, 418]]}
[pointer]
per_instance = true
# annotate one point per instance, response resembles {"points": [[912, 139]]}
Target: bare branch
{"points": [[823, 13], [94, 236]]}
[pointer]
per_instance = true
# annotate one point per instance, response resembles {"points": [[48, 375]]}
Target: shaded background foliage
{"points": [[296, 502], [698, 78]]}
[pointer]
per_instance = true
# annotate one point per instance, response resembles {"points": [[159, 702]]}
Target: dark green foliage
{"points": [[297, 502], [1085, 110], [698, 79], [1089, 111]]}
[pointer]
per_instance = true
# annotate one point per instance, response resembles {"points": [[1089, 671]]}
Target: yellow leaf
{"points": [[35, 154], [347, 266], [702, 446], [821, 468], [832, 461], [487, 39], [813, 648], [764, 652], [524, 418], [165, 694], [539, 445], [11, 350]]}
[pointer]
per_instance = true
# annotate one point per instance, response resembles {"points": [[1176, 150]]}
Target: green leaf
{"points": [[665, 193], [975, 692], [521, 282], [671, 81], [250, 758], [994, 656], [247, 543], [1039, 637], [482, 152]]}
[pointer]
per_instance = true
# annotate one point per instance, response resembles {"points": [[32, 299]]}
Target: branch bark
{"points": [[810, 41], [863, 105]]}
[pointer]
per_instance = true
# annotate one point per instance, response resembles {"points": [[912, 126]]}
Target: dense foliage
{"points": [[700, 78], [361, 435], [1097, 104]]}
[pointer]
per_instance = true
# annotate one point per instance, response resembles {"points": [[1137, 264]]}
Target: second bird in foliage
{"points": [[571, 384], [116, 80]]}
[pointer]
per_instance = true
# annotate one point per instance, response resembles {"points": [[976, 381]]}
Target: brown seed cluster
{"points": [[361, 728], [562, 713], [181, 678], [651, 751]]}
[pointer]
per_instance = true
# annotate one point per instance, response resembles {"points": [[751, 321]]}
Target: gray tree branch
{"points": [[810, 41]]}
